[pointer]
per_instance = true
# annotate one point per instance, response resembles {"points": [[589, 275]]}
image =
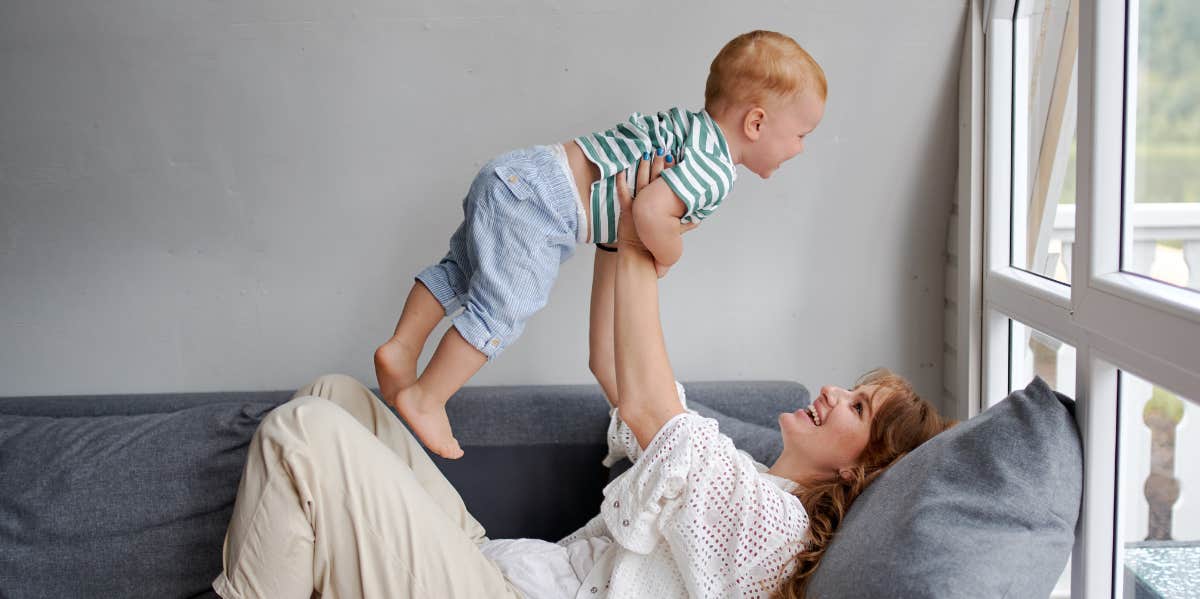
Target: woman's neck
{"points": [[797, 470]]}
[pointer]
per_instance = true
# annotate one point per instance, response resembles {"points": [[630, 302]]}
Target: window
{"points": [[1032, 352], [1158, 535], [1161, 233], [1045, 45], [1090, 229]]}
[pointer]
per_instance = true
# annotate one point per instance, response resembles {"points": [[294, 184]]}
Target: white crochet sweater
{"points": [[693, 517]]}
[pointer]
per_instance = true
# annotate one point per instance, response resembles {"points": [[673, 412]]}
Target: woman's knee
{"points": [[305, 415], [331, 385]]}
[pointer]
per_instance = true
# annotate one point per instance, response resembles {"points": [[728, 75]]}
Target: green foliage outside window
{"points": [[1167, 155]]}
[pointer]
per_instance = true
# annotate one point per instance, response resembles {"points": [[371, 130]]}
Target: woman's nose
{"points": [[833, 394]]}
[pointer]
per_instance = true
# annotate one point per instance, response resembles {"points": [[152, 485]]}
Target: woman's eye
{"points": [[858, 407]]}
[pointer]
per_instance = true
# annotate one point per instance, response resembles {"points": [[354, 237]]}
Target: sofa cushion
{"points": [[986, 509], [120, 506]]}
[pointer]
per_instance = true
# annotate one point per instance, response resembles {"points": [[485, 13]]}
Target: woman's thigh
{"points": [[325, 506], [373, 414]]}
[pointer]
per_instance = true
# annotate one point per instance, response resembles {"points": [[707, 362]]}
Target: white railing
{"points": [[1152, 223]]}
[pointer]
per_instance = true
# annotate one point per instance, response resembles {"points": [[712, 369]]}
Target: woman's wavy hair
{"points": [[900, 424]]}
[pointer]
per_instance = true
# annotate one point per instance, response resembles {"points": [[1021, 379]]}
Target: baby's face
{"points": [[782, 133]]}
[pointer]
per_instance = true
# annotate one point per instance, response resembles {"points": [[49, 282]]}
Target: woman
{"points": [[327, 506]]}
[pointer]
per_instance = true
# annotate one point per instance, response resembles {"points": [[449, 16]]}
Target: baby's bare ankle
{"points": [[402, 346], [420, 399]]}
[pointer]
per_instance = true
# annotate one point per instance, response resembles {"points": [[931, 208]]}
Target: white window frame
{"points": [[1115, 320]]}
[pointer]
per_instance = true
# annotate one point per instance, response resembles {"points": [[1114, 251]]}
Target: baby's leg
{"points": [[423, 404], [396, 359], [513, 244]]}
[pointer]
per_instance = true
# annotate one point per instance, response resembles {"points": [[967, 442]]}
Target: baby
{"points": [[527, 210]]}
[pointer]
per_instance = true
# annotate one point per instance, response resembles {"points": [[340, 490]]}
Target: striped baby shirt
{"points": [[702, 178]]}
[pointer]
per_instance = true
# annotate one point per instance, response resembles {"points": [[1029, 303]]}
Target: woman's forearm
{"points": [[645, 382], [601, 360]]}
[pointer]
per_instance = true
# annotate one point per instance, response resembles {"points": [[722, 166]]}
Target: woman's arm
{"points": [[601, 358], [645, 383], [600, 328]]}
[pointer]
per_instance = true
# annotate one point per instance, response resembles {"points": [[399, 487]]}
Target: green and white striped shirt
{"points": [[702, 178]]}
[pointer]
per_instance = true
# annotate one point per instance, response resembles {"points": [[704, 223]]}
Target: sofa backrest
{"points": [[132, 493]]}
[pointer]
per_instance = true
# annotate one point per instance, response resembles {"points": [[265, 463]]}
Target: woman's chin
{"points": [[788, 420]]}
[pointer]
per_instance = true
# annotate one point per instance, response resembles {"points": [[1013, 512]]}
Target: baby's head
{"points": [[766, 93]]}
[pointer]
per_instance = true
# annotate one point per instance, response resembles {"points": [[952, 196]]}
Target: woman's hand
{"points": [[647, 171]]}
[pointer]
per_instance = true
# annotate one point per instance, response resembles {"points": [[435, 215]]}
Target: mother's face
{"points": [[832, 433]]}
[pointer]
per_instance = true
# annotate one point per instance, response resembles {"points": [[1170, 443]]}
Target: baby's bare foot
{"points": [[395, 368], [428, 421]]}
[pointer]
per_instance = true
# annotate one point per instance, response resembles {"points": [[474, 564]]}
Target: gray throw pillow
{"points": [[986, 509], [119, 506]]}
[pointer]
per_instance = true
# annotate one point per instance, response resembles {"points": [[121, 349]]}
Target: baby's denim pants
{"points": [[519, 224]]}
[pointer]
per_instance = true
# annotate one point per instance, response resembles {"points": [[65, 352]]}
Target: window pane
{"points": [[1157, 493], [1162, 206], [1034, 352], [1043, 227]]}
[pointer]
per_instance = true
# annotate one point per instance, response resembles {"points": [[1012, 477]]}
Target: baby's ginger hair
{"points": [[759, 66]]}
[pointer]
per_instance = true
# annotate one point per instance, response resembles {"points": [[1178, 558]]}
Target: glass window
{"points": [[1162, 190], [1159, 534], [1032, 352], [1044, 114]]}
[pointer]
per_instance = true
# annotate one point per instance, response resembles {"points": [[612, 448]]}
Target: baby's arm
{"points": [[656, 213]]}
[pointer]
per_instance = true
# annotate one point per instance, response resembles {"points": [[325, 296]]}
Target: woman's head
{"points": [[842, 430], [855, 436]]}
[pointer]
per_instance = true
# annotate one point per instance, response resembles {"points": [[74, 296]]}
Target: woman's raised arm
{"points": [[645, 382]]}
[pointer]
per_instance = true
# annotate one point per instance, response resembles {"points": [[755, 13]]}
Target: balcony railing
{"points": [[1152, 223]]}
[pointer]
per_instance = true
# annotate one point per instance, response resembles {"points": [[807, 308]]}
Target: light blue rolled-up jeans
{"points": [[520, 222]]}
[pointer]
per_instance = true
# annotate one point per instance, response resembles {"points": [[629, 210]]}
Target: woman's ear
{"points": [[752, 124]]}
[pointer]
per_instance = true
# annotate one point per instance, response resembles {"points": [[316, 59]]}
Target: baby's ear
{"points": [[752, 124]]}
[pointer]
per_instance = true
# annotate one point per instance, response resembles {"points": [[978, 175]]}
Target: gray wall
{"points": [[225, 195]]}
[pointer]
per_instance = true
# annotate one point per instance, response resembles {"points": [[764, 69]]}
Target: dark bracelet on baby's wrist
{"points": [[606, 248]]}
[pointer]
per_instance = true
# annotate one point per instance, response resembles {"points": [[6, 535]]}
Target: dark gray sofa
{"points": [[129, 495]]}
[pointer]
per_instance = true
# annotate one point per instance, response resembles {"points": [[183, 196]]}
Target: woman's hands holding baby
{"points": [[627, 235]]}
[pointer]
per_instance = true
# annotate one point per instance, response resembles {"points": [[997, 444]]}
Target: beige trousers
{"points": [[338, 500]]}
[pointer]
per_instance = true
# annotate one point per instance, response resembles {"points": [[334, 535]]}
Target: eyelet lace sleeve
{"points": [[621, 442], [731, 531]]}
